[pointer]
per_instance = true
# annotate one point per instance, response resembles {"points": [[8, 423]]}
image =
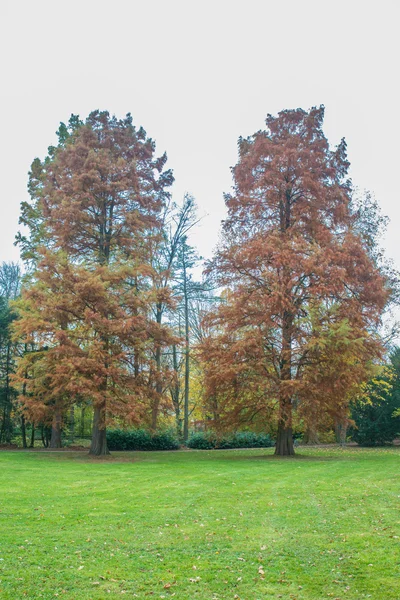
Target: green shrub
{"points": [[202, 441], [243, 439], [375, 421], [140, 439], [375, 424]]}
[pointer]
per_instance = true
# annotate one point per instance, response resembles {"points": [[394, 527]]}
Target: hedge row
{"points": [[140, 439], [244, 439]]}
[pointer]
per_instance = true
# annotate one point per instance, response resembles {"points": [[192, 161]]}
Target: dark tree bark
{"points": [[7, 426], [340, 431], [72, 423], [156, 402], [284, 441], [23, 424], [99, 435], [55, 441], [23, 432], [32, 444], [45, 435]]}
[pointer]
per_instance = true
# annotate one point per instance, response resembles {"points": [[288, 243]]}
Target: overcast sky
{"points": [[197, 75]]}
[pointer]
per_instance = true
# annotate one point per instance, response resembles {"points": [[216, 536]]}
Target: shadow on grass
{"points": [[185, 457]]}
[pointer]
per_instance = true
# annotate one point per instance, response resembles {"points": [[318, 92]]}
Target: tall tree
{"points": [[297, 271], [10, 280], [188, 291], [95, 222], [177, 222]]}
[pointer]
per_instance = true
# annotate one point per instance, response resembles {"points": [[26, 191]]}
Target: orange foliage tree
{"points": [[303, 296], [94, 223]]}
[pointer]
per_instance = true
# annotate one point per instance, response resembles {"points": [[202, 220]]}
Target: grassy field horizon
{"points": [[221, 524]]}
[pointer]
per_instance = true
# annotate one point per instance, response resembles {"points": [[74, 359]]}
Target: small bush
{"points": [[140, 439], [202, 441], [242, 439]]}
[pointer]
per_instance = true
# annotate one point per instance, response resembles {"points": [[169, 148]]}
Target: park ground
{"points": [[213, 525]]}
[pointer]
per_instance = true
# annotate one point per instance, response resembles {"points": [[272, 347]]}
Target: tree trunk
{"points": [[187, 356], [32, 444], [311, 435], [340, 431], [3, 424], [175, 394], [23, 432], [156, 402], [55, 441], [99, 440], [6, 429], [72, 424], [83, 410], [44, 432], [23, 424], [284, 441]]}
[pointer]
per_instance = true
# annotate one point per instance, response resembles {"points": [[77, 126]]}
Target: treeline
{"points": [[278, 335]]}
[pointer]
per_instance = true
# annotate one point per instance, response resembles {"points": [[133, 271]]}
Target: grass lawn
{"points": [[207, 524]]}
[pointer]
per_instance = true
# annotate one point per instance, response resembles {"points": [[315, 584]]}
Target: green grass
{"points": [[206, 524]]}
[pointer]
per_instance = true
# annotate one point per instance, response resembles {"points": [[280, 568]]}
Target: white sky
{"points": [[196, 75]]}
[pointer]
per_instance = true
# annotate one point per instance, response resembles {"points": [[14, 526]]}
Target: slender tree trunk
{"points": [[215, 411], [136, 357], [6, 429], [284, 441], [72, 423], [155, 407], [99, 435], [32, 444], [156, 402], [45, 436], [175, 393], [98, 446], [23, 432], [55, 441], [82, 432], [23, 424], [3, 424], [187, 356]]}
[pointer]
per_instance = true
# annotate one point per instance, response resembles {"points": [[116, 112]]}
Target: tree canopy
{"points": [[94, 223], [303, 295]]}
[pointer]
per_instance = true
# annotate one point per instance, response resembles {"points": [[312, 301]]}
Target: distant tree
{"points": [[10, 281], [376, 412], [95, 222], [301, 284], [176, 224], [189, 292]]}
